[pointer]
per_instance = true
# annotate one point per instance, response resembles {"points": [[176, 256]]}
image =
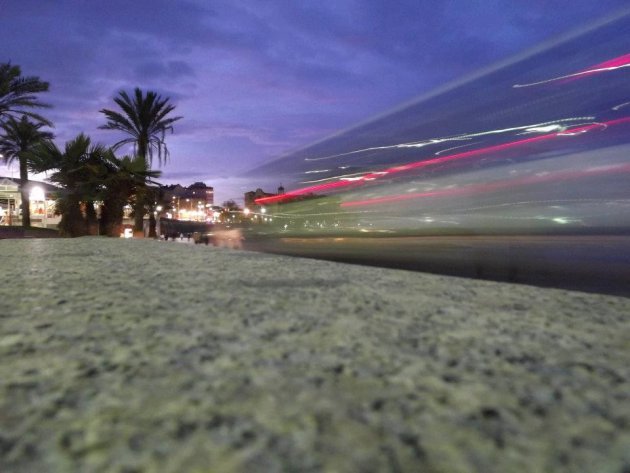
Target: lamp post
{"points": [[158, 217]]}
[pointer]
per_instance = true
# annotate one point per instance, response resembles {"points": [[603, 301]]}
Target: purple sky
{"points": [[254, 79]]}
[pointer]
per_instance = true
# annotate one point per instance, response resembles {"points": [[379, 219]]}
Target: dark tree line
{"points": [[87, 173]]}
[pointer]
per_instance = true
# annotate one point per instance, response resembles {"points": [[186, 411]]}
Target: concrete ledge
{"points": [[146, 356]]}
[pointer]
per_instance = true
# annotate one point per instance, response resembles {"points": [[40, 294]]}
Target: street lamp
{"points": [[158, 217], [37, 195]]}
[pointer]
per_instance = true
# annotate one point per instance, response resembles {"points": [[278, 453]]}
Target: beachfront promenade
{"points": [[147, 356]]}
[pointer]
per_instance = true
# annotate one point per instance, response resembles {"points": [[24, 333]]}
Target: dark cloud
{"points": [[168, 70], [181, 21]]}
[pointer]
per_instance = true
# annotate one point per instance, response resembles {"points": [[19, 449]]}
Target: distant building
{"points": [[194, 202], [200, 192], [174, 190], [251, 196]]}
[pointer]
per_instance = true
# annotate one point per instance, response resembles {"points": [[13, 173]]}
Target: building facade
{"points": [[194, 202], [250, 197], [42, 207]]}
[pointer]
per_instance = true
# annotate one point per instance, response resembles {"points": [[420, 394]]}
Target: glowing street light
{"points": [[37, 195]]}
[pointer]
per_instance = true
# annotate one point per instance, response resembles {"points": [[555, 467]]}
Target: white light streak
{"points": [[621, 105], [579, 132], [463, 137], [341, 177], [568, 76], [456, 147], [544, 129]]}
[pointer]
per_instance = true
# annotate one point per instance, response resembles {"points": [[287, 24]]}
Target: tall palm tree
{"points": [[18, 139], [145, 119], [18, 94]]}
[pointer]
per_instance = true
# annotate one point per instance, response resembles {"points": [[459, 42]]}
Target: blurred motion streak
{"points": [[480, 178], [490, 187], [419, 144], [430, 162], [607, 66]]}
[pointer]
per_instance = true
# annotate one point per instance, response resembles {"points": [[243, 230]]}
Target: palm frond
{"points": [[20, 137], [143, 118], [18, 93]]}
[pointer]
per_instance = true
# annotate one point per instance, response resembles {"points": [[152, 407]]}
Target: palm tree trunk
{"points": [[26, 200], [112, 217], [91, 222], [72, 223], [152, 224], [138, 218], [141, 194]]}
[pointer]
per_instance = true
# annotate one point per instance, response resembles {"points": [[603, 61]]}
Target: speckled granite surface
{"points": [[143, 356]]}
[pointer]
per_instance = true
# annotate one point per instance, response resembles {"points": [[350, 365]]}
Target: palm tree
{"points": [[90, 173], [18, 94], [77, 168], [18, 139], [144, 118]]}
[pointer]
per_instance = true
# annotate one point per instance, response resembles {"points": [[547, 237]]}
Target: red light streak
{"points": [[619, 61], [430, 162], [494, 186], [610, 65]]}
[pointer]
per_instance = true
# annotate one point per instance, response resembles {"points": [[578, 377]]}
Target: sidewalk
{"points": [[145, 356]]}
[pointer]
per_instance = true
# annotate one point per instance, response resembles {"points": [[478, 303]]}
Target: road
{"points": [[588, 263]]}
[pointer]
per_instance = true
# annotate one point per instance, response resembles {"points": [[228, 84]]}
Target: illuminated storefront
{"points": [[42, 206]]}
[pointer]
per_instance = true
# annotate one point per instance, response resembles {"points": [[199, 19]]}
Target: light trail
{"points": [[606, 66], [341, 176], [456, 147], [491, 187], [432, 162], [463, 137]]}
